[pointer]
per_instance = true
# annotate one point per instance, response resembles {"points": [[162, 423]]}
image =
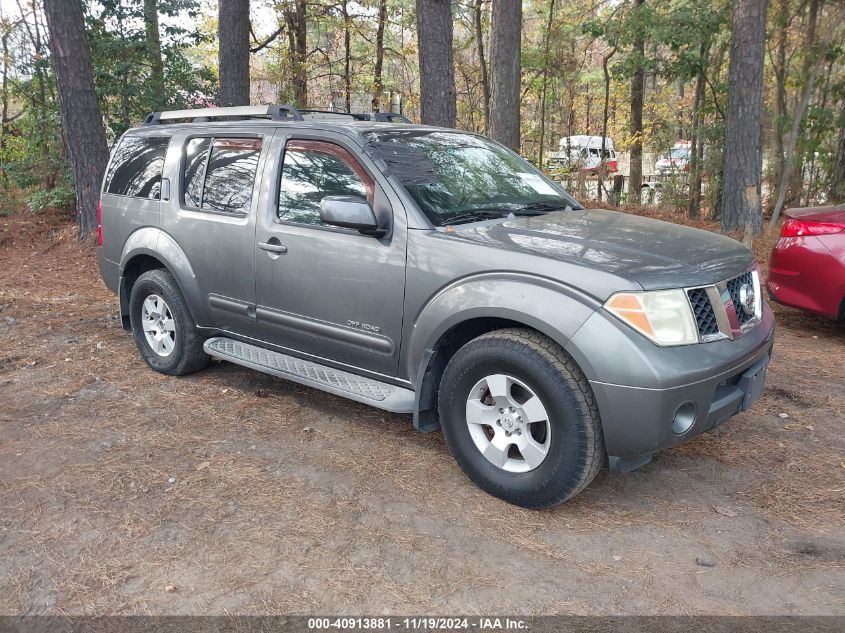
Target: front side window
{"points": [[219, 173], [312, 170], [456, 177], [135, 168]]}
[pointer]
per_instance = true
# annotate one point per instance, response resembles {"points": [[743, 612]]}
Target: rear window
{"points": [[219, 173], [135, 168]]}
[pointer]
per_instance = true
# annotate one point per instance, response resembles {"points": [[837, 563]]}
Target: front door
{"points": [[328, 292]]}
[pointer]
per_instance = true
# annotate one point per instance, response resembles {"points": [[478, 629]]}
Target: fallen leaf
{"points": [[203, 465], [725, 511]]}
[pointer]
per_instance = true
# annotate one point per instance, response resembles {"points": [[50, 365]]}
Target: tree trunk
{"points": [[4, 115], [41, 116], [696, 145], [154, 53], [437, 72], [482, 62], [635, 177], [837, 176], [125, 118], [546, 63], [378, 81], [297, 28], [83, 124], [780, 71], [588, 120], [808, 74], [233, 54], [602, 161], [742, 170], [505, 47], [347, 56]]}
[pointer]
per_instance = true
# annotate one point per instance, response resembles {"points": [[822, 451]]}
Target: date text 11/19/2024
{"points": [[417, 624]]}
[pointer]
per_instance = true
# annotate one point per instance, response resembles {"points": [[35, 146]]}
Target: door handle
{"points": [[270, 247]]}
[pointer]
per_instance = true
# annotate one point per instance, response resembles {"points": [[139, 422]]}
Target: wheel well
{"points": [[134, 268], [425, 415]]}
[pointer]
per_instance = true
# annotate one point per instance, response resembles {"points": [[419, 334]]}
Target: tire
{"points": [[183, 354], [570, 434]]}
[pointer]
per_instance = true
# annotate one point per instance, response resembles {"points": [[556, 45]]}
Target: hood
{"points": [[652, 253]]}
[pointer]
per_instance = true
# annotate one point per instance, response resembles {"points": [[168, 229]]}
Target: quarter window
{"points": [[135, 168], [312, 170], [220, 173], [196, 156]]}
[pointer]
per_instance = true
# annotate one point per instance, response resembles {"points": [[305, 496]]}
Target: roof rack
{"points": [[272, 112], [357, 117], [388, 117], [384, 117]]}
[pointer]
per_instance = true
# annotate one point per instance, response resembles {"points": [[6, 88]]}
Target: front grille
{"points": [[743, 314], [705, 316]]}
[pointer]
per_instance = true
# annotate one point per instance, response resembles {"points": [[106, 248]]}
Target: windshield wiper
{"points": [[489, 213], [477, 214], [537, 208]]}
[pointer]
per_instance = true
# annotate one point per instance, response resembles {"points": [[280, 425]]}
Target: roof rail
{"points": [[388, 117], [272, 112], [385, 117], [356, 116]]}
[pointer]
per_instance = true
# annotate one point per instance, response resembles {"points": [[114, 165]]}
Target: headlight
{"points": [[664, 316]]}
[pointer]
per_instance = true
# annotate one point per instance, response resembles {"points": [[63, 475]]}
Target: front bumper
{"points": [[643, 391]]}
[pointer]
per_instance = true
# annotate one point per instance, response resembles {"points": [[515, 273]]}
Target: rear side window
{"points": [[219, 173], [135, 168]]}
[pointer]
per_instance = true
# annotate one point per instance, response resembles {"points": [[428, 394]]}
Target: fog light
{"points": [[684, 418]]}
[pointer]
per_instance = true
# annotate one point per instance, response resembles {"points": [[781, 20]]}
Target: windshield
{"points": [[457, 177], [679, 153]]}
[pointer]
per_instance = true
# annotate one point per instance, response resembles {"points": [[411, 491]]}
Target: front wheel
{"points": [[520, 418], [164, 331]]}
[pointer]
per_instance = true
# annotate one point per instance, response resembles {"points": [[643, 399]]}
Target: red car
{"points": [[807, 267]]}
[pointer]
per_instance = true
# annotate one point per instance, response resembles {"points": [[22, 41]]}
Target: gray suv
{"points": [[432, 272]]}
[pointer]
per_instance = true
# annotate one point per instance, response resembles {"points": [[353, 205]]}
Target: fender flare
{"points": [[155, 243], [548, 306]]}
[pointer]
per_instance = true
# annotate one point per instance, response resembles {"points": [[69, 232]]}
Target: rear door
{"points": [[212, 219], [322, 291]]}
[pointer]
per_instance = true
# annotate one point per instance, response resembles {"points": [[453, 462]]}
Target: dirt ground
{"points": [[123, 491]]}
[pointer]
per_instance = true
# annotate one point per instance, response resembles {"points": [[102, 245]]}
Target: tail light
{"points": [[798, 228], [100, 222]]}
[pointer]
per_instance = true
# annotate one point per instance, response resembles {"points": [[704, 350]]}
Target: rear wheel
{"points": [[164, 331], [520, 418]]}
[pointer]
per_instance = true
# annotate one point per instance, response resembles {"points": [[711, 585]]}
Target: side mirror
{"points": [[351, 212]]}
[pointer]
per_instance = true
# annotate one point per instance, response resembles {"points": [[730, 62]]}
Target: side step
{"points": [[341, 383]]}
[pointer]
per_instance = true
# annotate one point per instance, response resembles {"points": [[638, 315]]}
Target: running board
{"points": [[341, 383]]}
